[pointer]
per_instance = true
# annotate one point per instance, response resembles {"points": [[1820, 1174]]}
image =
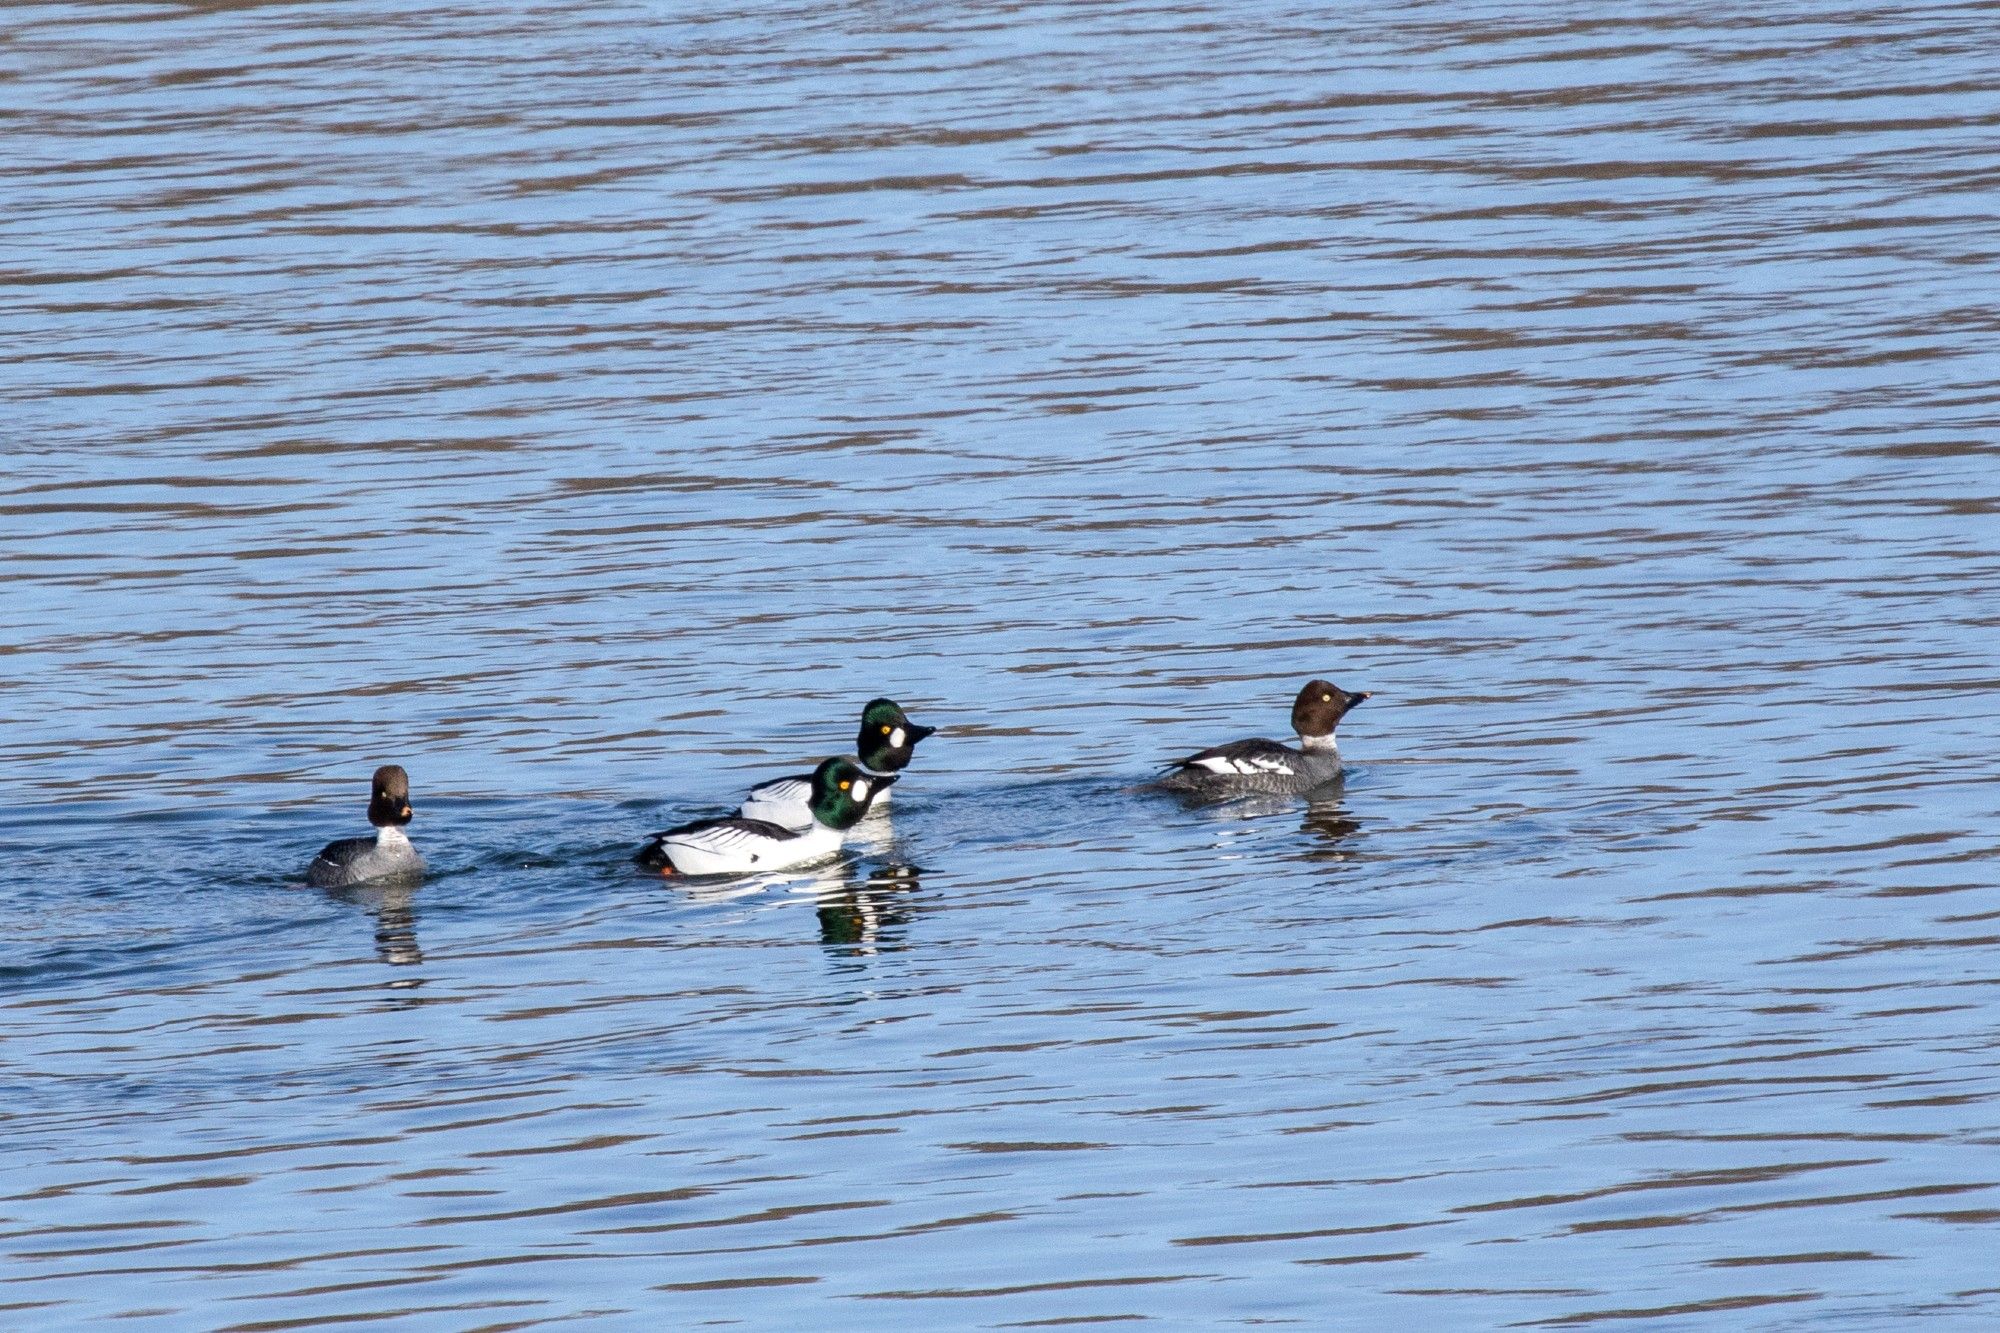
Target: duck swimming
{"points": [[1270, 767], [357, 860], [841, 792]]}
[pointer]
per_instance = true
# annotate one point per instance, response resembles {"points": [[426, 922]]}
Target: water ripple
{"points": [[590, 409]]}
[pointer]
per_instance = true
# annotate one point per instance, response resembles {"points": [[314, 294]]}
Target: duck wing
{"points": [[1249, 758], [782, 789], [721, 836]]}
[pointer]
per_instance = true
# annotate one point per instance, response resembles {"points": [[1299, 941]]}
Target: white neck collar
{"points": [[1319, 744]]}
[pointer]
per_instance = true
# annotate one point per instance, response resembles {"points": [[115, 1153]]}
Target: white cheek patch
{"points": [[860, 792], [896, 739]]}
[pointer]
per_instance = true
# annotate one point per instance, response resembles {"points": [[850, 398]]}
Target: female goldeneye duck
{"points": [[841, 793], [885, 745], [354, 860], [1268, 766]]}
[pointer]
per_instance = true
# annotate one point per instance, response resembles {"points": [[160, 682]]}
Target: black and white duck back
{"points": [[783, 801], [1256, 765], [357, 860]]}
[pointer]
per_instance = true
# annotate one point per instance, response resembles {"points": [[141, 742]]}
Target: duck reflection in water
{"points": [[1330, 825], [394, 908], [1325, 820], [866, 911]]}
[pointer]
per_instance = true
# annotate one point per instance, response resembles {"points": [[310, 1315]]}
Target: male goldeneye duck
{"points": [[1268, 766], [886, 744], [354, 860], [841, 793]]}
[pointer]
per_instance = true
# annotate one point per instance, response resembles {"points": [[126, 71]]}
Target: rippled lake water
{"points": [[590, 407]]}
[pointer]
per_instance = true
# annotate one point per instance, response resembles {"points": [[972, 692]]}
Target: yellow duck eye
{"points": [[845, 785], [887, 730], [1326, 698]]}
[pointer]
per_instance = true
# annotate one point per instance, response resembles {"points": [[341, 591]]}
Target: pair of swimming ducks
{"points": [[803, 818]]}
